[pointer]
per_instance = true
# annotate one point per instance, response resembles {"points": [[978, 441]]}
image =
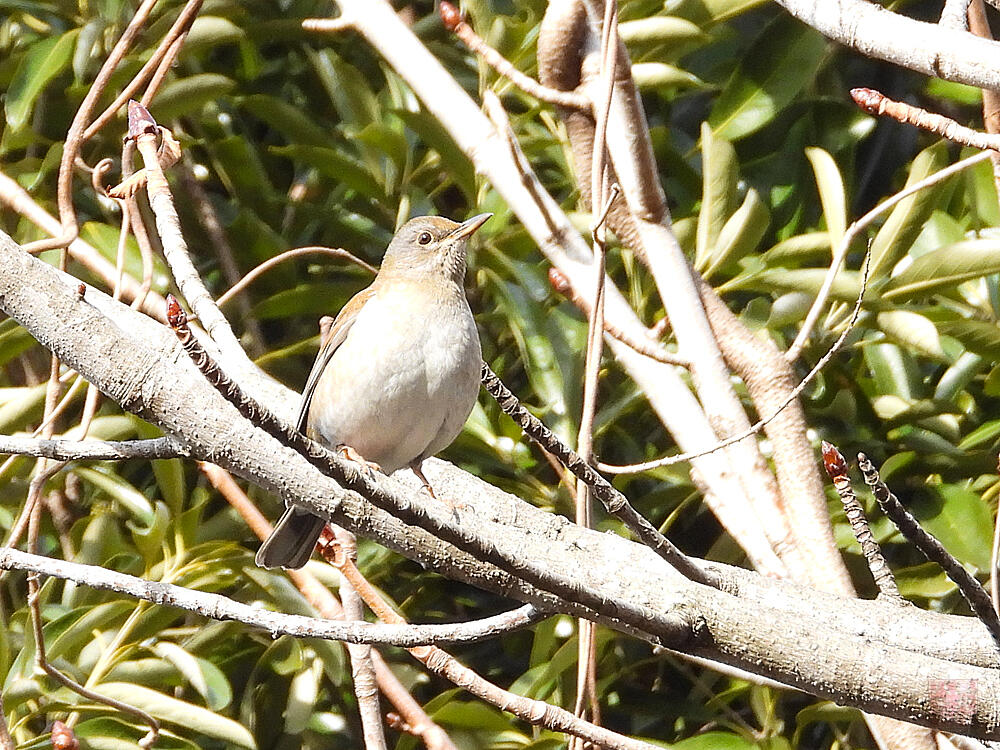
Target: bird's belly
{"points": [[398, 398]]}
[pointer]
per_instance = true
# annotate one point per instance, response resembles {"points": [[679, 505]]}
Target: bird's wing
{"points": [[333, 339]]}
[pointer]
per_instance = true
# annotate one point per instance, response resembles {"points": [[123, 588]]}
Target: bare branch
{"points": [[876, 103], [92, 450], [927, 48], [793, 351], [760, 424], [298, 252], [442, 663], [455, 23], [931, 548], [836, 467], [613, 500], [648, 348]]}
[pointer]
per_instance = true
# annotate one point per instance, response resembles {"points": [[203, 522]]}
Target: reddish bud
{"points": [[559, 282], [175, 313], [869, 100], [139, 120], [81, 290], [450, 15], [833, 461], [63, 737]]}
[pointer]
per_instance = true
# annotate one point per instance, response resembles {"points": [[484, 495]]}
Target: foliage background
{"points": [[303, 140]]}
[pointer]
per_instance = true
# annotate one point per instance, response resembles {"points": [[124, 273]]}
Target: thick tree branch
{"points": [[927, 48], [797, 636]]}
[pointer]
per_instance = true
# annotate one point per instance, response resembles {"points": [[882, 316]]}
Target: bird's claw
{"points": [[369, 467]]}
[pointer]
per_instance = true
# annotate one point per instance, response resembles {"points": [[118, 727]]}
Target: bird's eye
{"points": [[424, 238]]}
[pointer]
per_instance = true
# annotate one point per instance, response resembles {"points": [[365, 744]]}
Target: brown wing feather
{"points": [[338, 332]]}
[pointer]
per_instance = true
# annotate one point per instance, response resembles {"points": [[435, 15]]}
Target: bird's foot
{"points": [[416, 468], [369, 467]]}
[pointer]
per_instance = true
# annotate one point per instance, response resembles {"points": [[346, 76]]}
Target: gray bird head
{"points": [[431, 245]]}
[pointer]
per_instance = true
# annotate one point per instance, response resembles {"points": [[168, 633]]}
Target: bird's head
{"points": [[431, 245]]}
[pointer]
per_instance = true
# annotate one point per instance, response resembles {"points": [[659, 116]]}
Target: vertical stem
{"points": [[586, 677], [362, 668]]}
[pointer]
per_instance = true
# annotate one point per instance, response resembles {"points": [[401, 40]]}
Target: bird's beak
{"points": [[467, 228]]}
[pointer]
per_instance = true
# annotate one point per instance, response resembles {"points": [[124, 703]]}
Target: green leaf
{"points": [[741, 234], [337, 166], [118, 489], [291, 121], [831, 193], [801, 248], [977, 336], [189, 95], [660, 30], [206, 678], [720, 175], [907, 219], [180, 712], [943, 268], [782, 61], [846, 286], [471, 715], [985, 433], [211, 31], [896, 374], [110, 733], [715, 741], [44, 60], [432, 133], [913, 330], [960, 520], [655, 75]]}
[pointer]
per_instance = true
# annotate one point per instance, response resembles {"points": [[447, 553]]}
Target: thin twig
{"points": [[92, 450], [362, 668], [328, 25], [218, 607], [760, 424], [19, 200], [667, 628], [298, 252], [931, 548], [980, 26], [614, 501], [876, 103], [836, 468], [602, 198], [165, 52], [43, 663], [326, 604], [146, 133], [454, 22], [793, 351], [561, 284], [75, 135], [209, 220], [444, 664]]}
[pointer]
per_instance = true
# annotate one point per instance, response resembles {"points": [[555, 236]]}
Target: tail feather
{"points": [[293, 540]]}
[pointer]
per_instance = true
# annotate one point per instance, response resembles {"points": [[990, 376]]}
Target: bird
{"points": [[397, 373]]}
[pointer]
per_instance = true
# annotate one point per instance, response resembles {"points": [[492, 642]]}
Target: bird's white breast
{"points": [[401, 385]]}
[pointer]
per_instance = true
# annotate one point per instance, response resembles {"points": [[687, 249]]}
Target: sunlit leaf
{"points": [[831, 193], [180, 713], [43, 61], [906, 219], [781, 63], [940, 269]]}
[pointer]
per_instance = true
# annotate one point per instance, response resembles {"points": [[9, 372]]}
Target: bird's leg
{"points": [[415, 467], [352, 455]]}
